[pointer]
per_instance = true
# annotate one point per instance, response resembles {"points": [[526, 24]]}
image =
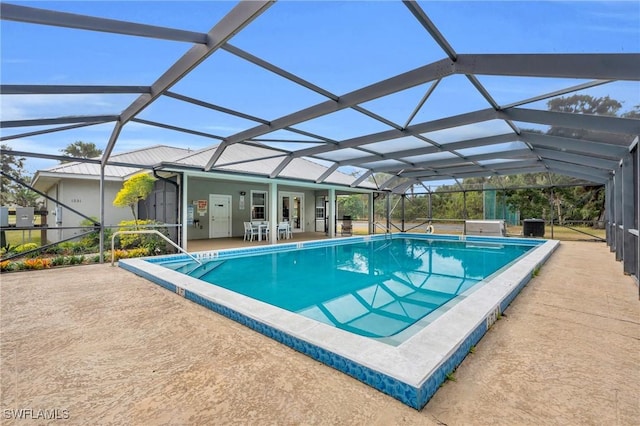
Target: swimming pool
{"points": [[373, 288], [406, 361]]}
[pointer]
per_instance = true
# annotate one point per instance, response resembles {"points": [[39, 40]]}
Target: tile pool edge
{"points": [[410, 372]]}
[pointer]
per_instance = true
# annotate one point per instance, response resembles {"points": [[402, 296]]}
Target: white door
{"points": [[219, 216], [291, 209]]}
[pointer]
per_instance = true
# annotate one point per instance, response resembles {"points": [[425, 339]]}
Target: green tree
{"points": [[634, 113], [80, 149], [23, 196], [354, 205], [589, 105], [135, 189], [585, 104], [13, 166], [578, 202]]}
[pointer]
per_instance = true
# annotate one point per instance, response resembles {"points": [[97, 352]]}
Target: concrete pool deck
{"points": [[111, 347]]}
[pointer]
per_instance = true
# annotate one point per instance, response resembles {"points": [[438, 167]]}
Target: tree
{"points": [[585, 104], [23, 196], [80, 149], [12, 166], [136, 188], [578, 202], [589, 105], [634, 113]]}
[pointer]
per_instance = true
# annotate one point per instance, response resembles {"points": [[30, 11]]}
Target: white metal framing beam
{"points": [[596, 154], [400, 82], [32, 15]]}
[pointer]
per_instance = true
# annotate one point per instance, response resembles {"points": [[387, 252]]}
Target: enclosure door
{"points": [[292, 209], [219, 216]]}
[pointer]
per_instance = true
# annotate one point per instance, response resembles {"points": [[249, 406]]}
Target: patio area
{"points": [[235, 242], [110, 347]]}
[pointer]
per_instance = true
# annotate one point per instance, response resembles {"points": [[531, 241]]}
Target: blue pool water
{"points": [[375, 288]]}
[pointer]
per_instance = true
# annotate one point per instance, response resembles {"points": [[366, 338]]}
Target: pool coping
{"points": [[410, 372]]}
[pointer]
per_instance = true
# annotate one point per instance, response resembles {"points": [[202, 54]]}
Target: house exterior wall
{"points": [[84, 196], [201, 188]]}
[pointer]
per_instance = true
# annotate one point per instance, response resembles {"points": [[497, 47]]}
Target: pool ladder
{"points": [[384, 228]]}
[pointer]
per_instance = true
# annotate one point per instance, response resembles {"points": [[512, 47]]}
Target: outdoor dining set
{"points": [[260, 230]]}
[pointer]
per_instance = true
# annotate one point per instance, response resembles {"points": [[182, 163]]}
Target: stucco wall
{"points": [[83, 196], [200, 188]]}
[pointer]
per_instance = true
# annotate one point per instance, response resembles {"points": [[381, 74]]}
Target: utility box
{"points": [[24, 217], [533, 228], [489, 228], [4, 217]]}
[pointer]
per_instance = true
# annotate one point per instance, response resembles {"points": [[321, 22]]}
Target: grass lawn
{"points": [[16, 238], [577, 233]]}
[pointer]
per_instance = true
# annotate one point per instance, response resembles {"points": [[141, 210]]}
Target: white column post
{"points": [[273, 212], [185, 211], [332, 213]]}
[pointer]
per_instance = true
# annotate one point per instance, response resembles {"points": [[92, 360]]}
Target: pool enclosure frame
{"points": [[612, 163]]}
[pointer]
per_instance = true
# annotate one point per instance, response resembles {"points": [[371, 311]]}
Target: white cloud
{"points": [[22, 107]]}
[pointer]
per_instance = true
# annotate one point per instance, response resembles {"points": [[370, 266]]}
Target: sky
{"points": [[339, 46]]}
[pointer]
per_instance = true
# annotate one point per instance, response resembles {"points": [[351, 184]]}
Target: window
{"points": [[258, 205], [320, 207]]}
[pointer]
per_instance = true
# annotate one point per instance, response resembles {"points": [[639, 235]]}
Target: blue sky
{"points": [[339, 46]]}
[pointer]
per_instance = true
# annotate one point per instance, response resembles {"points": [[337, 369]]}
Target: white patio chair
{"points": [[250, 231], [264, 229], [284, 230]]}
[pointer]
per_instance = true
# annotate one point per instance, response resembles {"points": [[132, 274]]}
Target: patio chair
{"points": [[347, 226], [264, 230], [284, 230], [250, 231]]}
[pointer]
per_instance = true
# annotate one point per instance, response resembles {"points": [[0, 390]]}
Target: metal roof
{"points": [[241, 158], [487, 134], [150, 156]]}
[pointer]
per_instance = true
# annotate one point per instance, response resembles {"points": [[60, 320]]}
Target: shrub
{"points": [[26, 247], [58, 261], [71, 248], [150, 241], [139, 252], [91, 241], [37, 264], [75, 260], [120, 254], [126, 254], [54, 250], [6, 266]]}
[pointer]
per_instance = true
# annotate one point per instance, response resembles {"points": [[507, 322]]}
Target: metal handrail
{"points": [[147, 231], [386, 230]]}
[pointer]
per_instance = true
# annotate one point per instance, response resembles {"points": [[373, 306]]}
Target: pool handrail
{"points": [[386, 230], [147, 231]]}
